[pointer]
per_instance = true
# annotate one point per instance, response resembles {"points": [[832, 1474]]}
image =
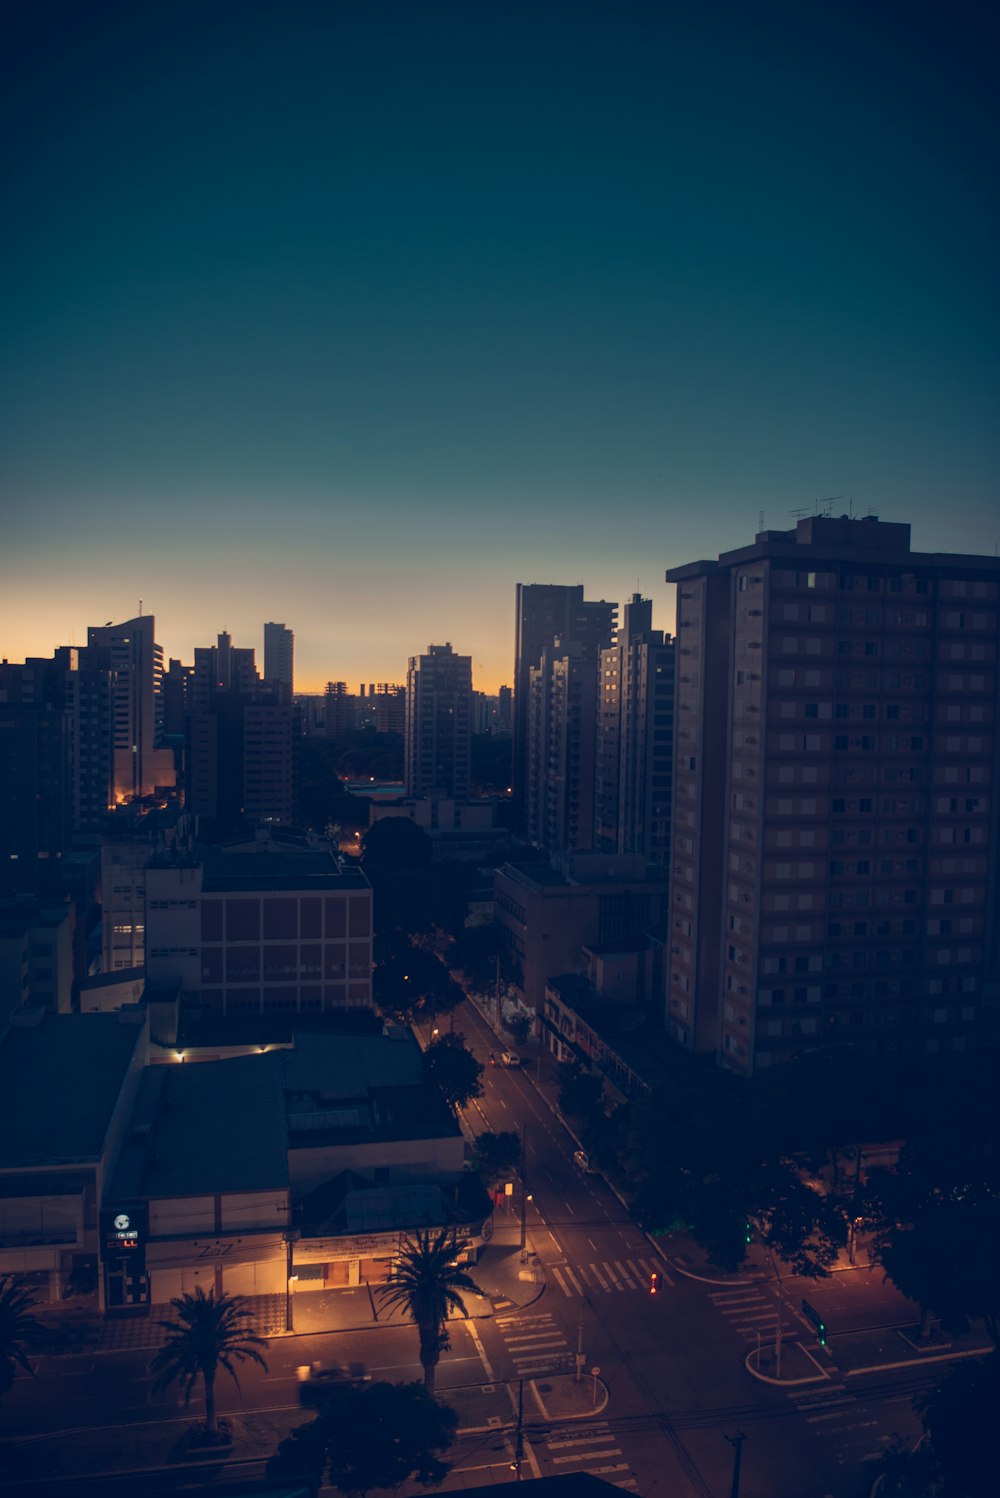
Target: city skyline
{"points": [[360, 320]]}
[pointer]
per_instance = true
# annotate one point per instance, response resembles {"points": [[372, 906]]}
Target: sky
{"points": [[353, 315]]}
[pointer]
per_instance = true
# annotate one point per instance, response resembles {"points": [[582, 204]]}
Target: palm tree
{"points": [[20, 1331], [208, 1334], [427, 1281]]}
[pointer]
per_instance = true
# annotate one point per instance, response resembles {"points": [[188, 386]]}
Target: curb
{"points": [[821, 1376], [941, 1357], [584, 1415]]}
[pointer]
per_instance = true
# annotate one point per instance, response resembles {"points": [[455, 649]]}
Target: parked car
{"points": [[582, 1162], [315, 1381], [509, 1058]]}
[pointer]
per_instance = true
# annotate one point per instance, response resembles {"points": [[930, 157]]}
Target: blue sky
{"points": [[354, 315]]}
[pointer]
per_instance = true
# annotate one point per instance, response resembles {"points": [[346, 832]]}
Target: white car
{"points": [[509, 1058], [582, 1162]]}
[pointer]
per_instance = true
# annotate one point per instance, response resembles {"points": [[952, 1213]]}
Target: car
{"points": [[582, 1162], [509, 1058], [317, 1382]]}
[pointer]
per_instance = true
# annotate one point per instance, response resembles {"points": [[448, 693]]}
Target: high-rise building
{"points": [[635, 731], [279, 656], [141, 765], [562, 743], [833, 866], [438, 723], [544, 613]]}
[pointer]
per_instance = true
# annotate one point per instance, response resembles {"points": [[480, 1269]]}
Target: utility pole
{"points": [[736, 1442], [524, 1187], [579, 1345], [519, 1443]]}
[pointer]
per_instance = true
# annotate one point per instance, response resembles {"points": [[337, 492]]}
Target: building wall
{"points": [[858, 799], [405, 1159]]}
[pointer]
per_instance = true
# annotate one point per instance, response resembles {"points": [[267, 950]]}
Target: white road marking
{"points": [[598, 1276]]}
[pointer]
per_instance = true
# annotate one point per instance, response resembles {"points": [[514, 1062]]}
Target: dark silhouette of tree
{"points": [[369, 1438], [580, 1092], [413, 985], [936, 1219], [454, 1069], [394, 844], [209, 1333], [427, 1282], [21, 1333], [498, 1156]]}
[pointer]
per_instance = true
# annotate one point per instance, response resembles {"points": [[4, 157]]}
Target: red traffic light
{"points": [[654, 1283]]}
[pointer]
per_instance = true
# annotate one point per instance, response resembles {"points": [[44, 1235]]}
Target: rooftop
{"points": [[205, 1129], [60, 1079], [273, 870]]}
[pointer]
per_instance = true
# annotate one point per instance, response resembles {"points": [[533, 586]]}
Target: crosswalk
{"points": [[593, 1449], [839, 1420], [748, 1310], [607, 1277], [535, 1344]]}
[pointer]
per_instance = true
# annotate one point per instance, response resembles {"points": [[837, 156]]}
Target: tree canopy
{"points": [[455, 1070], [498, 1156], [377, 1436], [413, 985], [428, 1281], [21, 1332]]}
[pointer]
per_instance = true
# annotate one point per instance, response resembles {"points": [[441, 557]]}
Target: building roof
{"points": [[60, 1080], [206, 1128], [279, 870], [350, 1066]]}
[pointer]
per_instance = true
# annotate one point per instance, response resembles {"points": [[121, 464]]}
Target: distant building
{"points": [[141, 764], [438, 724], [36, 955], [279, 658], [545, 613], [835, 814], [635, 731], [261, 932]]}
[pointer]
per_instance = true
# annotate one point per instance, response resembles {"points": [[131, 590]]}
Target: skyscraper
{"points": [[834, 870], [544, 613], [141, 765], [438, 723], [279, 656], [635, 729]]}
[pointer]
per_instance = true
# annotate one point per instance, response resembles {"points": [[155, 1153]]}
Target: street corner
{"points": [[795, 1366], [562, 1397]]}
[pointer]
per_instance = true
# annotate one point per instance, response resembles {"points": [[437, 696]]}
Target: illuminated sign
{"points": [[123, 1232]]}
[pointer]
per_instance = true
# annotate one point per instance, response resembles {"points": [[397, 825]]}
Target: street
{"points": [[673, 1393]]}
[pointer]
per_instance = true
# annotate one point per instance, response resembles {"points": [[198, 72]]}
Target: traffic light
{"points": [[821, 1333], [654, 1283], [748, 1234]]}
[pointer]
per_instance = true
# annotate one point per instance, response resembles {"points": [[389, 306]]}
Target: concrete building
{"points": [[141, 764], [562, 748], [279, 658], [68, 1082], [544, 613], [834, 872], [549, 916], [260, 932], [438, 724], [635, 730], [241, 762]]}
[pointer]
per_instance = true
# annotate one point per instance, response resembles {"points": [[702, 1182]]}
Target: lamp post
{"points": [[291, 1237], [524, 1188]]}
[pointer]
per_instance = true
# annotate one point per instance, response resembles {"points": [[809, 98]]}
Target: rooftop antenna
{"points": [[827, 504], [760, 520], [805, 510], [140, 608]]}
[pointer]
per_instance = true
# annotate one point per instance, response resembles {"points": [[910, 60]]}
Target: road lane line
{"points": [[560, 1281], [624, 1274], [478, 1344], [598, 1276]]}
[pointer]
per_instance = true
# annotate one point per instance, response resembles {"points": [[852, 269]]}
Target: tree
{"points": [[428, 1282], [413, 986], [392, 844], [20, 1332], [209, 1333], [937, 1219], [455, 1070], [374, 1437], [580, 1092], [498, 1156]]}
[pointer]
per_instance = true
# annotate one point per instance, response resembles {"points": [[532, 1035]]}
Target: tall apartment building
{"points": [[545, 612], [562, 744], [241, 761], [834, 869], [222, 667], [438, 724], [635, 730], [141, 764], [279, 657]]}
